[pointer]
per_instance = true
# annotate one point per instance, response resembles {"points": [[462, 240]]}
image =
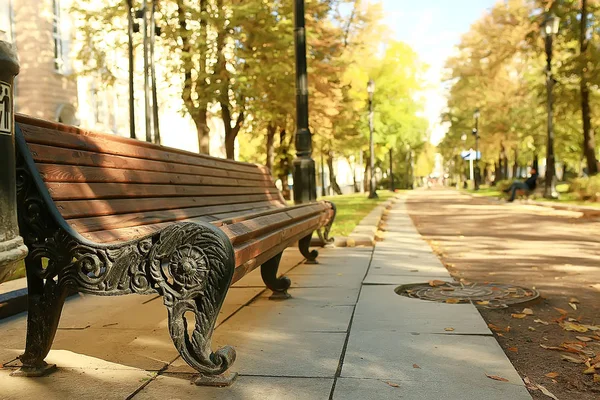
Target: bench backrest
{"points": [[101, 182]]}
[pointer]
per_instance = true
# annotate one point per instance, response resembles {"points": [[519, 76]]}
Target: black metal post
{"points": [[550, 184], [131, 67], [305, 185], [323, 193], [153, 33], [147, 111], [372, 183], [391, 172], [476, 133], [12, 249]]}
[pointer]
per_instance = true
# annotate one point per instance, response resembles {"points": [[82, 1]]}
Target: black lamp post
{"points": [[305, 185], [476, 115], [131, 28], [391, 170], [371, 91], [12, 249], [549, 29]]}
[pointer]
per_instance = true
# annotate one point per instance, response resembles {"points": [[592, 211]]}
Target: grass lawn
{"points": [[352, 208]]}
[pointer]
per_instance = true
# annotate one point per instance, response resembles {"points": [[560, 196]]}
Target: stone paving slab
{"points": [[443, 358], [244, 388], [95, 379], [386, 266], [264, 352], [317, 297], [350, 279], [286, 317], [381, 309], [413, 277], [375, 389]]}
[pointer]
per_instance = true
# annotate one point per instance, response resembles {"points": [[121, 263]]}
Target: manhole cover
{"points": [[490, 295]]}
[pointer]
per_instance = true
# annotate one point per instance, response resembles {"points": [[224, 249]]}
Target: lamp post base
{"points": [[305, 189]]}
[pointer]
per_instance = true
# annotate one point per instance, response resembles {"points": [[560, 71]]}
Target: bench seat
{"points": [[115, 216]]}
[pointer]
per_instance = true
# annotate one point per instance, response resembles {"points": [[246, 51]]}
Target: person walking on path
{"points": [[529, 185]]}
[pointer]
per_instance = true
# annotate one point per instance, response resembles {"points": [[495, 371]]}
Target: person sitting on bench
{"points": [[529, 185]]}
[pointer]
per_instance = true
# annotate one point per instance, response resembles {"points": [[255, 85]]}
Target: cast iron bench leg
{"points": [[310, 255], [45, 306], [279, 286]]}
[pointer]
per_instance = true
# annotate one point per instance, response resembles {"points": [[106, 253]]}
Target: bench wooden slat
{"points": [[82, 174], [91, 224], [94, 208], [252, 248], [79, 191], [129, 148], [43, 154]]}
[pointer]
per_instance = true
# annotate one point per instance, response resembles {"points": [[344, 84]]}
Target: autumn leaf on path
{"points": [[518, 316], [452, 301], [560, 310], [416, 366], [590, 371], [392, 384], [494, 328], [449, 329], [565, 357], [513, 349], [436, 283], [574, 300], [573, 327], [497, 378], [539, 321], [527, 311], [529, 385], [596, 378], [546, 392], [552, 375], [573, 306], [584, 338]]}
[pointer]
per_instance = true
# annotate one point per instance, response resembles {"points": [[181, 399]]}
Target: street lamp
{"points": [[549, 30], [371, 91], [305, 184], [476, 115]]}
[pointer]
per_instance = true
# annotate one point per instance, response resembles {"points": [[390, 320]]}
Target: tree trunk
{"points": [[332, 178], [271, 129], [589, 146], [516, 164], [203, 132], [231, 132], [284, 165]]}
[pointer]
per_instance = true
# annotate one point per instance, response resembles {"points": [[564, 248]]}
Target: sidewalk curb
{"points": [[367, 232]]}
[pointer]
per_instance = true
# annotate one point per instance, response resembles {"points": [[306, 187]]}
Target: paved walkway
{"points": [[345, 334]]}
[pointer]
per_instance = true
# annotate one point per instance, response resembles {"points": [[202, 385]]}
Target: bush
{"points": [[587, 189], [503, 184]]}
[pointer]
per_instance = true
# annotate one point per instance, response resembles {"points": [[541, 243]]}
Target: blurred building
{"points": [[49, 88]]}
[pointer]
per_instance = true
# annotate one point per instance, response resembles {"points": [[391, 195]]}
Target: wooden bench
{"points": [[108, 215]]}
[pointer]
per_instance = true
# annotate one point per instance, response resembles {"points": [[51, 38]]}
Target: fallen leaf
{"points": [[513, 349], [539, 321], [546, 392], [507, 329], [574, 300], [483, 303], [590, 371], [531, 328], [449, 329], [584, 338], [565, 357], [527, 311], [452, 301], [596, 378], [552, 374], [392, 384], [560, 310], [529, 384], [518, 316], [497, 378], [436, 283], [572, 326], [573, 306], [494, 328], [416, 366]]}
